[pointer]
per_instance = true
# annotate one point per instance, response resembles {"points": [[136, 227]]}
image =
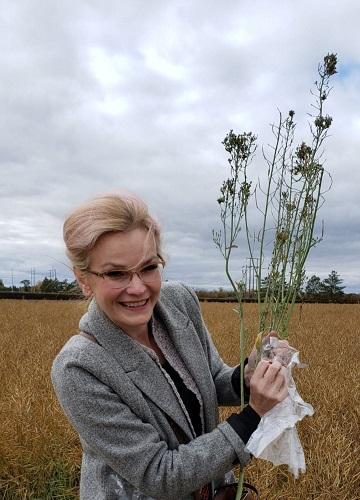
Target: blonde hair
{"points": [[101, 215]]}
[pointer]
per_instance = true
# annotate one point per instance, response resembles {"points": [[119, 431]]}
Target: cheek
{"points": [[105, 295], [156, 291], [156, 286]]}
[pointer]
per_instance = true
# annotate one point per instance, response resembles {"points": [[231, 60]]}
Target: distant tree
{"points": [[71, 287], [313, 286], [278, 290], [2, 286], [331, 285], [26, 285], [49, 285]]}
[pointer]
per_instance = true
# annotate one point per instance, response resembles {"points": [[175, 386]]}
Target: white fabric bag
{"points": [[276, 438]]}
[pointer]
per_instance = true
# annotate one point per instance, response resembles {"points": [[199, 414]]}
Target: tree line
{"points": [[330, 289], [47, 285]]}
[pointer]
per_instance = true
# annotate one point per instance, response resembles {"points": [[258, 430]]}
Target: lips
{"points": [[135, 304]]}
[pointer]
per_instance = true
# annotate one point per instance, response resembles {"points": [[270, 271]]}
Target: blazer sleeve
{"points": [[132, 447], [221, 372]]}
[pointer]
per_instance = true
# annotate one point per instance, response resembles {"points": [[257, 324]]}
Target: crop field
{"points": [[40, 453]]}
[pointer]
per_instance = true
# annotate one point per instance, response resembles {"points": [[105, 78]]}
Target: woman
{"points": [[142, 381]]}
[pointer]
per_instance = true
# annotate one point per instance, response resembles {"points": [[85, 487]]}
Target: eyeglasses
{"points": [[121, 279]]}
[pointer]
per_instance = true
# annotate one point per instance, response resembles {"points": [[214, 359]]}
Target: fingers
{"points": [[261, 368], [278, 352], [267, 386], [265, 366], [253, 354], [280, 381], [272, 371]]}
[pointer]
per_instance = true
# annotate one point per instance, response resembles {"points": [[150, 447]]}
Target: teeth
{"points": [[140, 303]]}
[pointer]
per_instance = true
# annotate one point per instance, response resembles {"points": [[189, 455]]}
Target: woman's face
{"points": [[131, 307]]}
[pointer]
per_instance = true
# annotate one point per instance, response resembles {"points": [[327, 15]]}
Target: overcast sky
{"points": [[98, 96]]}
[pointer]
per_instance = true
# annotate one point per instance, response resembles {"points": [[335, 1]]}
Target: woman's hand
{"points": [[251, 364], [267, 386]]}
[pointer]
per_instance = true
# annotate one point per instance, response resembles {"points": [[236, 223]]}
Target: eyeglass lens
{"points": [[123, 278]]}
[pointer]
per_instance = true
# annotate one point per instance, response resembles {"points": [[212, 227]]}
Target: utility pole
{"points": [[253, 267], [32, 278], [52, 273], [12, 280]]}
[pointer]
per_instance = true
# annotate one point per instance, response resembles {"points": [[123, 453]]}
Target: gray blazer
{"points": [[125, 412]]}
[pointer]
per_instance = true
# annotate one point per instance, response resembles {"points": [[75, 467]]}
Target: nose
{"points": [[136, 284]]}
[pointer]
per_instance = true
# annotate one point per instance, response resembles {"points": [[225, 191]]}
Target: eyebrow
{"points": [[120, 266]]}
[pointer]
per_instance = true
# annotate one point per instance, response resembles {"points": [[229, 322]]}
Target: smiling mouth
{"points": [[135, 305]]}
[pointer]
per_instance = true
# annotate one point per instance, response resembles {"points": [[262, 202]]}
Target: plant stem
{"points": [[240, 487]]}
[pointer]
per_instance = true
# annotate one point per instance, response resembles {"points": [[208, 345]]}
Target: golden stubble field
{"points": [[40, 453]]}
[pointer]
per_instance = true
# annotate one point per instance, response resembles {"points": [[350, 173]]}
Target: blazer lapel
{"points": [[139, 366], [187, 343]]}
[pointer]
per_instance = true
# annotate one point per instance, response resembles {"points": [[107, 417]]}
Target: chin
{"points": [[132, 319]]}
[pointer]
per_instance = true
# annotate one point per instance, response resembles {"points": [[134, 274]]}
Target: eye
{"points": [[117, 275], [150, 268]]}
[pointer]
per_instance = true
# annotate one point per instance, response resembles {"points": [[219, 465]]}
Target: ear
{"points": [[83, 282]]}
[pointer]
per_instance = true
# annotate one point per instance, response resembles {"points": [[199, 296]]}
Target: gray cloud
{"points": [[138, 96]]}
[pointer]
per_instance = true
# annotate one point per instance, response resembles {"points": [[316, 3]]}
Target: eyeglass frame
{"points": [[131, 273]]}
